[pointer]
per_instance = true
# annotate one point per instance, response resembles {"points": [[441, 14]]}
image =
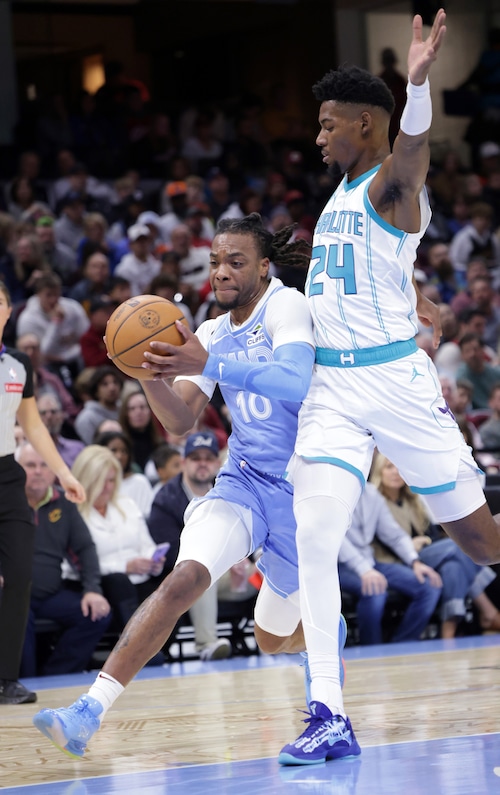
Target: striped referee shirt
{"points": [[16, 383]]}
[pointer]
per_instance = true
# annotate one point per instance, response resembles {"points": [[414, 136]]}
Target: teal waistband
{"points": [[365, 356]]}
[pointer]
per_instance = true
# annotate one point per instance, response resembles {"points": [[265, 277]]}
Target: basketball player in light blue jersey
{"points": [[371, 385], [261, 352]]}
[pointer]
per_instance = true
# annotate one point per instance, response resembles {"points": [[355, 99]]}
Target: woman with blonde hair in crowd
{"points": [[460, 575], [124, 546]]}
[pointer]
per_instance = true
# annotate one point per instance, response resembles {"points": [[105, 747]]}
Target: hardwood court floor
{"points": [[427, 716]]}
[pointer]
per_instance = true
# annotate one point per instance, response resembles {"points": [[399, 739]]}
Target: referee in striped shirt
{"points": [[17, 403]]}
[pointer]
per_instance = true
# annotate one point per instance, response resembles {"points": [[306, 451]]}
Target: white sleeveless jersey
{"points": [[359, 285]]}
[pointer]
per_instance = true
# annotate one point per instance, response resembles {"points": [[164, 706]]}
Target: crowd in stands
{"points": [[119, 198]]}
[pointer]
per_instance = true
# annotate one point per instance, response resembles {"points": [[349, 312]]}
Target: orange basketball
{"points": [[136, 323]]}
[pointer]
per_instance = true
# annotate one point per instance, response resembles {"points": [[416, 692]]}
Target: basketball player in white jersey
{"points": [[261, 352], [371, 385]]}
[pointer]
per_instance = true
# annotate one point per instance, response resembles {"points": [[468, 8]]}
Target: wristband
{"points": [[417, 114]]}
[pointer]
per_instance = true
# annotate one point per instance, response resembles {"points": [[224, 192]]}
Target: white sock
{"points": [[105, 690], [325, 684]]}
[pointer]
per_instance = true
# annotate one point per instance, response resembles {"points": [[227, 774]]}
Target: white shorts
{"points": [[216, 535], [399, 408]]}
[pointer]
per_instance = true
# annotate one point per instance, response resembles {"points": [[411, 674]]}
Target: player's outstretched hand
{"points": [[169, 361], [423, 53]]}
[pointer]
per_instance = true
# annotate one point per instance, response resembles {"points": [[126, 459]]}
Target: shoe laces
{"points": [[82, 706], [317, 723]]}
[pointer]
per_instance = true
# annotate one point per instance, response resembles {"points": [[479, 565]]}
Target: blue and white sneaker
{"points": [[305, 663], [327, 737], [70, 728]]}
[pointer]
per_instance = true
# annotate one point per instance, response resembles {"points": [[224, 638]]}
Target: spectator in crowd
{"points": [[489, 430], [296, 204], [166, 522], [167, 462], [119, 289], [104, 387], [202, 149], [448, 358], [95, 281], [21, 197], [140, 426], [441, 272], [58, 322], [69, 227], [396, 83], [29, 167], [369, 580], [96, 237], [447, 180], [79, 608], [124, 545], [249, 201], [485, 298], [474, 368], [193, 262], [139, 266], [476, 266], [153, 222], [134, 483], [218, 194], [459, 574], [96, 195], [43, 379], [477, 239], [29, 265], [60, 257], [94, 351], [176, 196], [52, 414], [473, 321], [196, 215]]}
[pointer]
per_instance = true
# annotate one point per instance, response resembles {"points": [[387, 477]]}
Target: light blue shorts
{"points": [[264, 505]]}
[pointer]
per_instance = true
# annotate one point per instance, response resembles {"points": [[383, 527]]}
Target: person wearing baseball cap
{"points": [[139, 266], [166, 522]]}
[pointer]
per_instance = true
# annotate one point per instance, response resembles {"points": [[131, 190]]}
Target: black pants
{"points": [[17, 536]]}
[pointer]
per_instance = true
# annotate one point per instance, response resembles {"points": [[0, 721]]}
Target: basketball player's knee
{"points": [[267, 643], [185, 584]]}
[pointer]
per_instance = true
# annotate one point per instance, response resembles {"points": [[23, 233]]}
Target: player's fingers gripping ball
{"points": [[136, 323]]}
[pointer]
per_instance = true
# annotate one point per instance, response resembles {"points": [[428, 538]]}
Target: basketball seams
{"points": [[134, 322], [145, 340], [139, 308]]}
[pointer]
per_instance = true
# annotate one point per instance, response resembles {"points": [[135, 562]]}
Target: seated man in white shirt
{"points": [[369, 580]]}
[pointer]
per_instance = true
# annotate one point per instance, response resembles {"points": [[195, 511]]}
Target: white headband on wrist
{"points": [[417, 114]]}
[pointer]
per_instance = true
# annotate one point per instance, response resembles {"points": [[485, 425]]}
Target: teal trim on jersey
{"points": [[337, 462], [434, 489], [365, 356], [392, 230], [373, 285], [354, 184]]}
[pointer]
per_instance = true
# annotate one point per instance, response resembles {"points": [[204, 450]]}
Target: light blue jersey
{"points": [[263, 429]]}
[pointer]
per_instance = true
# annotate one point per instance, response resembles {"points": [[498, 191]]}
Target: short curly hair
{"points": [[354, 86]]}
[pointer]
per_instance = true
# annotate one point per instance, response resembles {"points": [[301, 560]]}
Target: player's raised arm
{"points": [[410, 159]]}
